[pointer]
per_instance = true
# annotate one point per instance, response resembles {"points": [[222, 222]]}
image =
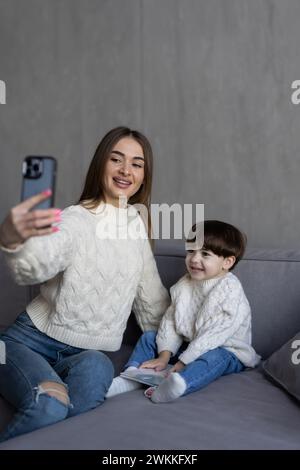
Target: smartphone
{"points": [[39, 174]]}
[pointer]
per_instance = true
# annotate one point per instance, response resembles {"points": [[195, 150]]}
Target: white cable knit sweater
{"points": [[90, 282], [208, 314]]}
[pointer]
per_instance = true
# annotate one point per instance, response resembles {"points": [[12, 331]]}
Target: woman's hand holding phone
{"points": [[22, 223]]}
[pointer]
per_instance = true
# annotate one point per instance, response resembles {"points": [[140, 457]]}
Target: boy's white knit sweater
{"points": [[91, 282], [208, 314]]}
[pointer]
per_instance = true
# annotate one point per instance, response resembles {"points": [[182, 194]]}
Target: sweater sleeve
{"points": [[151, 299], [41, 258], [218, 320], [167, 338]]}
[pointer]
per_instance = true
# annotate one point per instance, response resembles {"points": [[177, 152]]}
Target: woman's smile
{"points": [[121, 182]]}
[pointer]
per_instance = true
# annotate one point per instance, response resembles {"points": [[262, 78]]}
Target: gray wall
{"points": [[209, 81]]}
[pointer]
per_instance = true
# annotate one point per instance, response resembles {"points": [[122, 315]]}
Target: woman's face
{"points": [[124, 170]]}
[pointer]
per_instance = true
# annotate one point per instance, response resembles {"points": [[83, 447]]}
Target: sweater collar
{"points": [[109, 209], [119, 223], [207, 285]]}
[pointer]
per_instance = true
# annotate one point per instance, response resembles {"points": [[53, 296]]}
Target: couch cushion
{"points": [[284, 366], [239, 411]]}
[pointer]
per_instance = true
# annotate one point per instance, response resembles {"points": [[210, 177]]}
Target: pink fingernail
{"points": [[55, 229], [57, 211], [57, 218], [47, 192]]}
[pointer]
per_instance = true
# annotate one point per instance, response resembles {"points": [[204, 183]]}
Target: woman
{"points": [[92, 276]]}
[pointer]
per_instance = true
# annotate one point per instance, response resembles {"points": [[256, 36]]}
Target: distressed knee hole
{"points": [[53, 389]]}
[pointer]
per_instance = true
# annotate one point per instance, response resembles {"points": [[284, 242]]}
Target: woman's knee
{"points": [[50, 404], [89, 381], [55, 390], [97, 366]]}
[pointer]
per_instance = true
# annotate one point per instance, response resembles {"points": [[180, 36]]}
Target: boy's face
{"points": [[204, 264]]}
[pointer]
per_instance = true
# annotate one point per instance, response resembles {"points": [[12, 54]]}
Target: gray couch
{"points": [[242, 411]]}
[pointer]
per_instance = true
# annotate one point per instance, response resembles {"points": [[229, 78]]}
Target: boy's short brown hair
{"points": [[222, 239]]}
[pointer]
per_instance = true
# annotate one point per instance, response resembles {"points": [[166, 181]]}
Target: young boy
{"points": [[206, 331]]}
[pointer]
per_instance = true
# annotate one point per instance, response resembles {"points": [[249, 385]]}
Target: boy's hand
{"points": [[177, 367], [157, 364]]}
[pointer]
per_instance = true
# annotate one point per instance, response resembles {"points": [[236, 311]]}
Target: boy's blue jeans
{"points": [[199, 373], [32, 357]]}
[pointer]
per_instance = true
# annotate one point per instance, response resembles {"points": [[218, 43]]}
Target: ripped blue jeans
{"points": [[32, 358]]}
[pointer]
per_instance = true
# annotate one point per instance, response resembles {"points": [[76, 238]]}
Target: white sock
{"points": [[121, 385], [171, 388]]}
